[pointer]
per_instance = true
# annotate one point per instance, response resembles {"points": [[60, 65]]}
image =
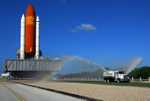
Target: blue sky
{"points": [[105, 31]]}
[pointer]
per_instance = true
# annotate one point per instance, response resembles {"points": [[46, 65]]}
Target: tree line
{"points": [[143, 73]]}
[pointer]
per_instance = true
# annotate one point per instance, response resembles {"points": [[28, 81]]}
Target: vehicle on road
{"points": [[5, 75], [115, 76]]}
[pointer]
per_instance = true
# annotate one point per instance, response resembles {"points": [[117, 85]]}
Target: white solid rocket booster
{"points": [[37, 49], [22, 37]]}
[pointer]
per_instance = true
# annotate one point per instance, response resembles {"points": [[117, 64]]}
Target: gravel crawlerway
{"points": [[103, 92]]}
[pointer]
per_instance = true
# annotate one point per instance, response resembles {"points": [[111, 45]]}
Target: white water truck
{"points": [[121, 75], [115, 76]]}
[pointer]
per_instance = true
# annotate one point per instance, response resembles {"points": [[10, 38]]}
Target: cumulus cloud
{"points": [[84, 27]]}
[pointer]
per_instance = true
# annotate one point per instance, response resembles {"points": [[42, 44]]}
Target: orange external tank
{"points": [[30, 31]]}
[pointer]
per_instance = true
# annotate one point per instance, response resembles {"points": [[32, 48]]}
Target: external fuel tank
{"points": [[30, 31]]}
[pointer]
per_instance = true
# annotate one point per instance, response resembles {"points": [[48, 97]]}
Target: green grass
{"points": [[3, 79], [135, 84]]}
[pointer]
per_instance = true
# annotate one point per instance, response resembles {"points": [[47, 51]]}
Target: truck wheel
{"points": [[118, 81], [108, 81]]}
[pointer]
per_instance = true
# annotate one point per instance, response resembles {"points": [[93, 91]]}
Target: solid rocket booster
{"points": [[37, 50], [29, 44], [22, 35]]}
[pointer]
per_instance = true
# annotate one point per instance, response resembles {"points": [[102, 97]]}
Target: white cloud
{"points": [[84, 27]]}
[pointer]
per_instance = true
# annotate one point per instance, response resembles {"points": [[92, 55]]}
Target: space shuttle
{"points": [[29, 34]]}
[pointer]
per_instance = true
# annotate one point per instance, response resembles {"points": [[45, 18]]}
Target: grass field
{"points": [[3, 79], [136, 83]]}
